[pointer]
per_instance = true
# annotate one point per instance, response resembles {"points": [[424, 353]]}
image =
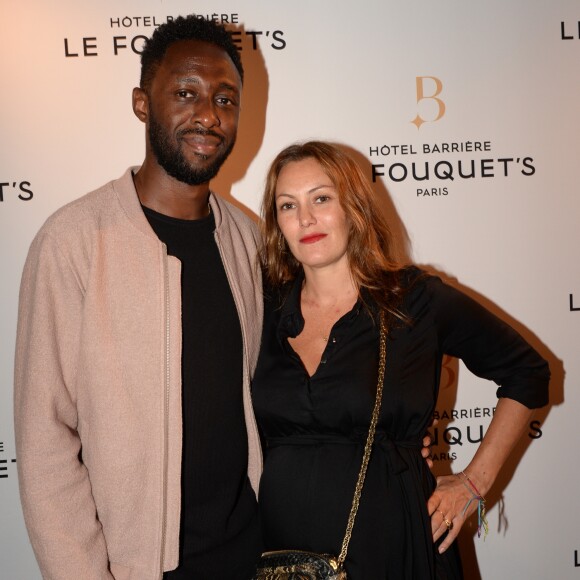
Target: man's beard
{"points": [[171, 158]]}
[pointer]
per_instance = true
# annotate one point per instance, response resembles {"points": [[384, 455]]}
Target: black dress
{"points": [[314, 428]]}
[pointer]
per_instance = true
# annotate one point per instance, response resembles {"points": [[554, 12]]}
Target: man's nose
{"points": [[206, 113]]}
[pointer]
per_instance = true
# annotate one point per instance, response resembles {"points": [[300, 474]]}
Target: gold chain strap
{"points": [[369, 442]]}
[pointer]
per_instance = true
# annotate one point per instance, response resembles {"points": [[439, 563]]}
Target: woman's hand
{"points": [[446, 508], [453, 492]]}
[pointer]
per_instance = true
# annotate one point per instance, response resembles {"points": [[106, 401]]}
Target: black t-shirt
{"points": [[220, 536]]}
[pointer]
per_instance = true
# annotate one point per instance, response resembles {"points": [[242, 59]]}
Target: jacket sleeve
{"points": [[55, 488], [489, 347]]}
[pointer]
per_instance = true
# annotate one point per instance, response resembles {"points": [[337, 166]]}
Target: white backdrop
{"points": [[481, 97]]}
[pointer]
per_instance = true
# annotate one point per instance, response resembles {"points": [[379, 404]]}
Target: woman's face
{"points": [[310, 216]]}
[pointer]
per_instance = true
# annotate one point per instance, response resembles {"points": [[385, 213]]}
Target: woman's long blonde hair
{"points": [[369, 248]]}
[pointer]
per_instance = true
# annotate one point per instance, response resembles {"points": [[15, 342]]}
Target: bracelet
{"points": [[481, 517]]}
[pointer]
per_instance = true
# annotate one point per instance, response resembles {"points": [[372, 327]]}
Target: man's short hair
{"points": [[185, 28]]}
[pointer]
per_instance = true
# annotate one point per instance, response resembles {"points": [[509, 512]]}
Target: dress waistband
{"points": [[380, 437], [389, 446]]}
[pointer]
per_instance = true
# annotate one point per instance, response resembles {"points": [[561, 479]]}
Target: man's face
{"points": [[193, 111]]}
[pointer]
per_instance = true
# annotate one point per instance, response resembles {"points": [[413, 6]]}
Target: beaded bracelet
{"points": [[481, 518]]}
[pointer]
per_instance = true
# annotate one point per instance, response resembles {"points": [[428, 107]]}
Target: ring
{"points": [[448, 523]]}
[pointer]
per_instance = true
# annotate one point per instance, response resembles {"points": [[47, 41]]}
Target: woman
{"points": [[326, 255]]}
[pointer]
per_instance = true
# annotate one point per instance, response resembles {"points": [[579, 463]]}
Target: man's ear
{"points": [[140, 104]]}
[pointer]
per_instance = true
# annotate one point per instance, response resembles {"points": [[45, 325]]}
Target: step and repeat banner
{"points": [[464, 115]]}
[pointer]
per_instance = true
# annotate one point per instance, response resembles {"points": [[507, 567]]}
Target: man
{"points": [[139, 324]]}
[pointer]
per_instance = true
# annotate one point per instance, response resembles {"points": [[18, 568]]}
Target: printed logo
{"points": [[435, 87], [468, 428], [18, 189], [4, 463], [447, 170], [119, 43], [573, 308], [570, 31], [435, 167]]}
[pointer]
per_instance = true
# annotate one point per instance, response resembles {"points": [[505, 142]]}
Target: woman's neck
{"points": [[327, 287]]}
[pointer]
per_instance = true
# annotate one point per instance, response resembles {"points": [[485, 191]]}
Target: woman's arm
{"points": [[453, 492], [490, 349]]}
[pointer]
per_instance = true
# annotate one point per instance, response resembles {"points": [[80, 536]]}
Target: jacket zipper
{"points": [[165, 412]]}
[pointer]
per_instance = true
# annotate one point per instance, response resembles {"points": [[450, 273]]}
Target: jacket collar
{"points": [[124, 188]]}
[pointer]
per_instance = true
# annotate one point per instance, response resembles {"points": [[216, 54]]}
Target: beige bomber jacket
{"points": [[97, 394]]}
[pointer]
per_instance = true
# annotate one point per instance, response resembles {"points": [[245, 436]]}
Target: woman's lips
{"points": [[312, 238]]}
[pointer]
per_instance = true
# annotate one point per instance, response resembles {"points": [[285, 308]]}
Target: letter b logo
{"points": [[428, 89]]}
